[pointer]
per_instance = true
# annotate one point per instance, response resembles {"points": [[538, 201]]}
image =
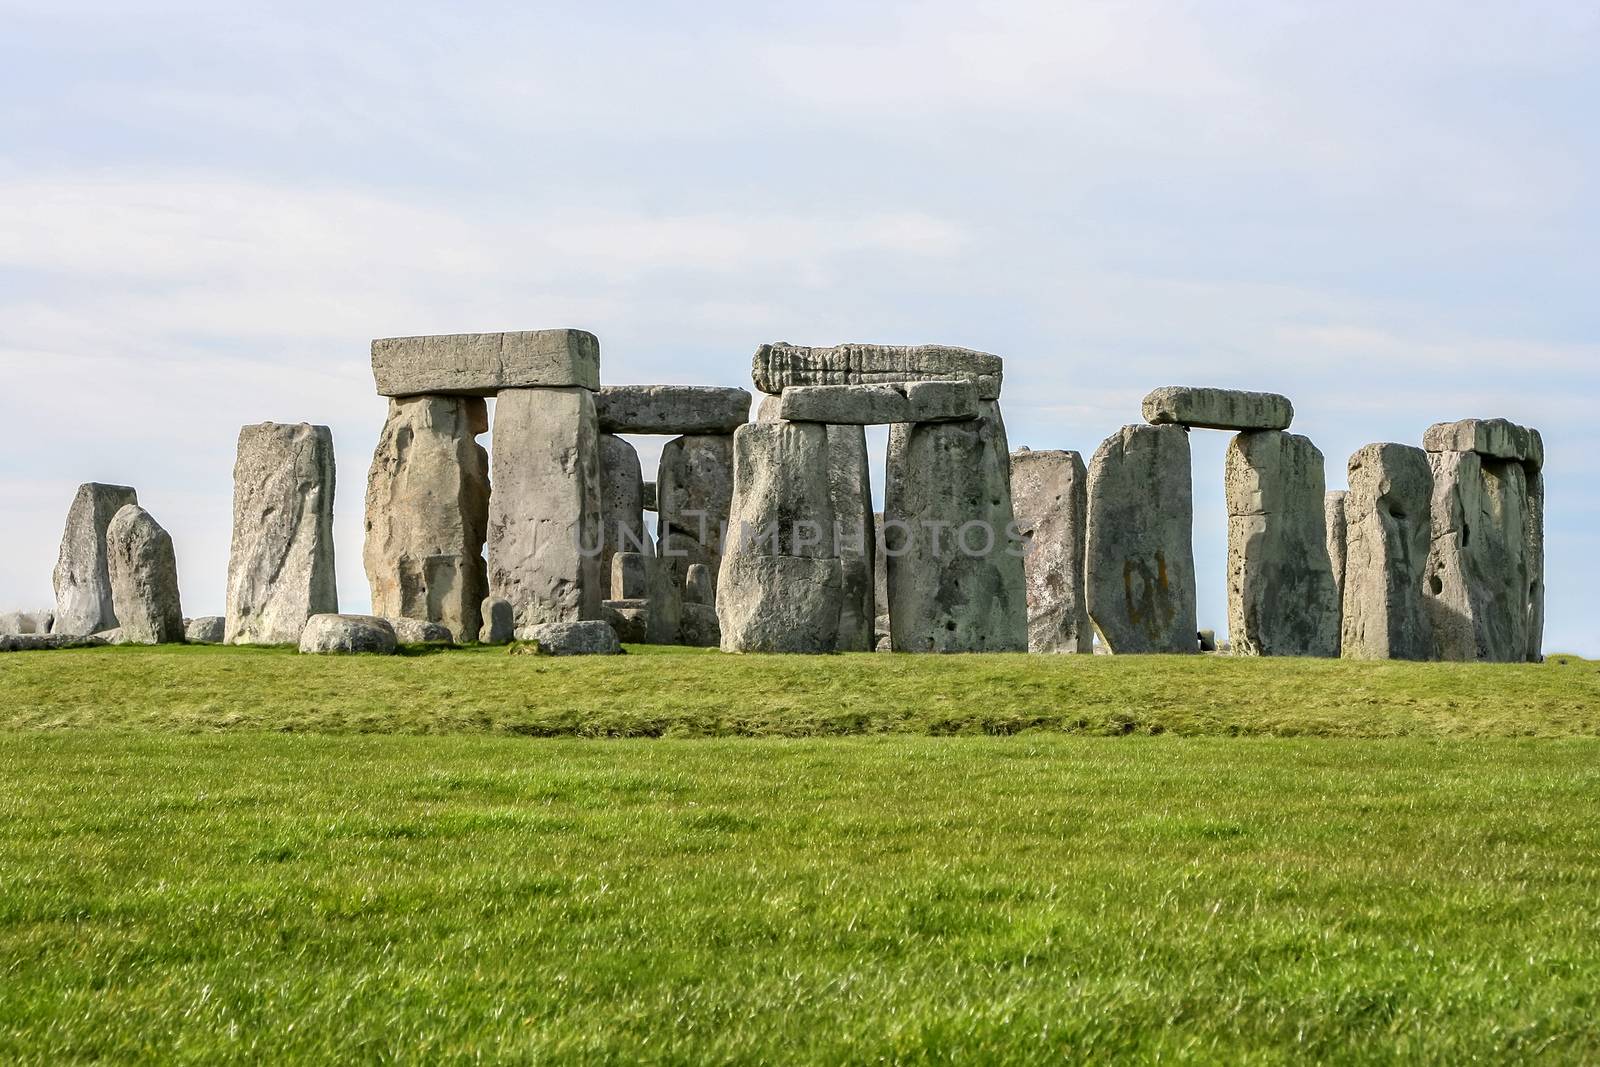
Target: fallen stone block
{"points": [[347, 634], [206, 630], [1218, 409], [873, 405], [82, 582], [1495, 438], [590, 637], [672, 410], [144, 578], [47, 642], [1050, 496], [1388, 531], [408, 631], [778, 366], [1140, 549], [699, 627], [630, 618], [482, 364], [281, 565]]}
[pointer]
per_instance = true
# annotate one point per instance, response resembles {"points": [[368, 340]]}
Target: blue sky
{"points": [[208, 210]]}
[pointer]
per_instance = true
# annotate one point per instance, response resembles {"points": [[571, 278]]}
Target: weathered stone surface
{"points": [[1218, 409], [1140, 571], [281, 566], [778, 366], [1387, 538], [1050, 495], [630, 576], [699, 628], [853, 534], [694, 490], [666, 602], [482, 364], [1495, 438], [113, 636], [779, 589], [333, 633], [144, 578], [82, 584], [1533, 553], [630, 619], [647, 496], [1477, 573], [701, 586], [1333, 518], [880, 574], [672, 410], [590, 637], [544, 516], [428, 513], [871, 405], [17, 623], [621, 508], [1282, 597], [408, 631], [47, 642], [206, 630], [955, 571], [499, 621]]}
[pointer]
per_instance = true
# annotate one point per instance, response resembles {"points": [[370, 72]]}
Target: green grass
{"points": [[214, 855], [683, 693]]}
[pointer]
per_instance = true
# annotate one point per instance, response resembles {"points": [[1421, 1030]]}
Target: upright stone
{"points": [[882, 639], [1050, 494], [428, 514], [1333, 517], [780, 586], [82, 582], [778, 366], [280, 567], [499, 621], [1477, 572], [956, 578], [621, 507], [630, 576], [544, 515], [1388, 533], [694, 490], [144, 578], [1282, 597], [1533, 531], [850, 490], [1140, 569]]}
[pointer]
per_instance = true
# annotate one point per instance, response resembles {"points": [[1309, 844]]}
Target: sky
{"points": [[207, 211]]}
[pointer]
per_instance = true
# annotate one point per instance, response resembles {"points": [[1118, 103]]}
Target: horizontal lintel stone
{"points": [[482, 364], [672, 410], [1218, 409], [779, 365], [873, 405], [1495, 438]]}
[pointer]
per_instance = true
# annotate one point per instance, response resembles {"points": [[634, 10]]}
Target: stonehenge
{"points": [[1217, 409], [1282, 596], [484, 364], [871, 405], [1388, 534], [144, 578], [777, 366], [331, 633], [82, 580], [281, 565], [499, 622], [428, 513], [1140, 545], [589, 637], [1333, 517], [671, 410], [1050, 495], [622, 528], [206, 630]]}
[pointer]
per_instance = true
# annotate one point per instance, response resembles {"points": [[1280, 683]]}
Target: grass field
{"points": [[213, 855]]}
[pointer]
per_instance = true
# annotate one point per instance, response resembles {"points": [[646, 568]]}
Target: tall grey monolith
{"points": [[850, 486], [1533, 531], [781, 582], [956, 578], [1387, 535], [1140, 571], [280, 566], [544, 514], [428, 514], [1333, 516], [694, 490], [1282, 597], [82, 584], [1477, 571], [144, 579], [1050, 495], [621, 508]]}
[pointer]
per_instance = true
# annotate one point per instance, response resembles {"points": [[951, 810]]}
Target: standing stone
{"points": [[621, 507], [1140, 569], [630, 576], [780, 587], [1333, 516], [882, 641], [499, 621], [544, 515], [82, 584], [666, 602], [956, 577], [428, 514], [701, 586], [1533, 532], [1477, 572], [778, 366], [280, 567], [850, 490], [694, 490], [1282, 597], [1388, 533], [1050, 494], [144, 578]]}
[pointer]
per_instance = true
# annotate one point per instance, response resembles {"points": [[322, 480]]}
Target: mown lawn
{"points": [[209, 864]]}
